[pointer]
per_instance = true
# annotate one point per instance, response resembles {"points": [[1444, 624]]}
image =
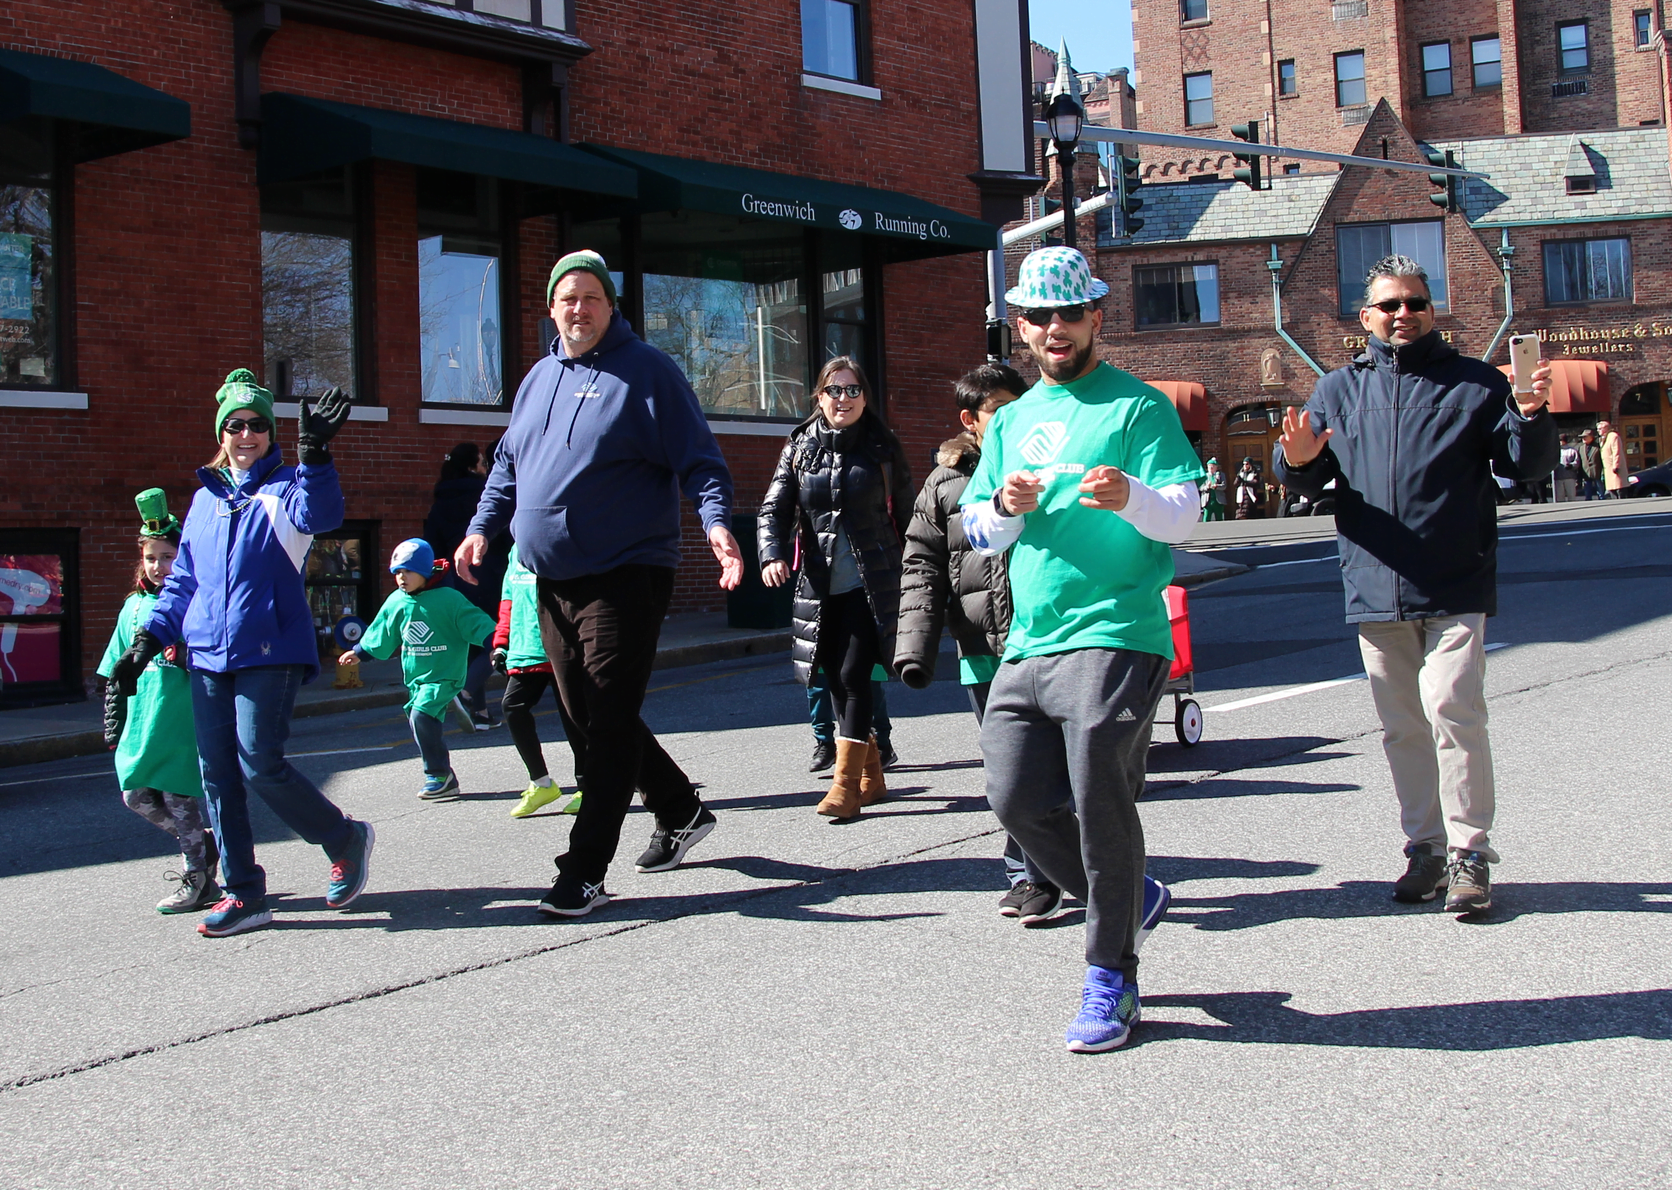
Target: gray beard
{"points": [[1070, 368]]}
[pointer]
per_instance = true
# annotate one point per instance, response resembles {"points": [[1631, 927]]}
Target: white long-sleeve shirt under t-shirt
{"points": [[1168, 515]]}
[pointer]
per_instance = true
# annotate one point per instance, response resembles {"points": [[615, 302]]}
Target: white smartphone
{"points": [[1523, 359]]}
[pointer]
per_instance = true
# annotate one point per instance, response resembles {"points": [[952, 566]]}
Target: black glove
{"points": [[501, 660], [317, 426], [115, 714], [916, 676], [124, 675]]}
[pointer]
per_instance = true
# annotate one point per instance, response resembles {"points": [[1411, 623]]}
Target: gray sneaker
{"points": [[197, 892], [1424, 876], [1471, 884]]}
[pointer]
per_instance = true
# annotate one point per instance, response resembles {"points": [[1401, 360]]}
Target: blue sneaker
{"points": [[1156, 899], [1108, 1010], [348, 871], [232, 916], [443, 786]]}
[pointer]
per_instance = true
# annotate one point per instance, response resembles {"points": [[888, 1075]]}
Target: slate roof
{"points": [[1529, 177], [1177, 212]]}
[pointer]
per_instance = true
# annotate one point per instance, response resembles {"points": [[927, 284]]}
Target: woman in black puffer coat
{"points": [[842, 493]]}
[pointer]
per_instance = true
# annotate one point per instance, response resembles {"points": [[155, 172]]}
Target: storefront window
{"points": [[307, 285], [28, 288], [459, 246], [342, 583], [37, 610], [726, 300]]}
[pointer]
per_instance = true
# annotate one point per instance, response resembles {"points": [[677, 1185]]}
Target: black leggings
{"points": [[522, 694], [847, 652]]}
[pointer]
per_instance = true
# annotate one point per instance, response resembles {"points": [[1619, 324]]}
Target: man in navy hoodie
{"points": [[605, 434]]}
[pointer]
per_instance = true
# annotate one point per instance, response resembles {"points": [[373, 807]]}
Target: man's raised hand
{"points": [[1300, 445]]}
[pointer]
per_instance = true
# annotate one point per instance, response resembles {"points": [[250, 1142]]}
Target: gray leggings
{"points": [[180, 816]]}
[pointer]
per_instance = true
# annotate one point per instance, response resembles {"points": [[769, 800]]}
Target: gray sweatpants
{"points": [[1070, 732]]}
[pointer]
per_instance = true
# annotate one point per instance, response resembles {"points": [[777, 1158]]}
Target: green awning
{"points": [[910, 227], [109, 113], [301, 136]]}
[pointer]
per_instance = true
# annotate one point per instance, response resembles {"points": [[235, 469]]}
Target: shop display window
{"points": [[460, 245], [28, 258], [307, 285], [343, 575], [39, 625]]}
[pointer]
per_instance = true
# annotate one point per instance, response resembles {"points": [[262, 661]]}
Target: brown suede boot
{"points": [[842, 802], [872, 788]]}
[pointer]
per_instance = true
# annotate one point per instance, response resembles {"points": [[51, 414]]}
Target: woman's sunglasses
{"points": [[255, 425], [1066, 313], [837, 391], [1416, 305]]}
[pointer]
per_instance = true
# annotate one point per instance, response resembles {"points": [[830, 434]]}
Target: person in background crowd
{"points": [[152, 733], [605, 434], [822, 716], [1085, 480], [841, 488], [518, 653], [464, 473], [435, 628], [1566, 487], [1213, 493], [1250, 491], [1590, 466], [1613, 462], [1422, 428], [236, 597]]}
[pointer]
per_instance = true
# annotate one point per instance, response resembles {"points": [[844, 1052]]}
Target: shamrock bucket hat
{"points": [[1055, 277]]}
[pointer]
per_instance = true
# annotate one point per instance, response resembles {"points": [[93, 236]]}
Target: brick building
{"points": [[1579, 190], [369, 193]]}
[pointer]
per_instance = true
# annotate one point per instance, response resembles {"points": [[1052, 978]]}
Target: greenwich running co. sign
{"points": [[847, 218]]}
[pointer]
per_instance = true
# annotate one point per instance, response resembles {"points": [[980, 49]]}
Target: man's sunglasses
{"points": [[837, 391], [255, 425], [1416, 305], [1043, 317]]}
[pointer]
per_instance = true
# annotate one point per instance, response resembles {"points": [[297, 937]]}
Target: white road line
{"points": [[61, 777], [341, 751], [1297, 562], [1309, 688], [1576, 532]]}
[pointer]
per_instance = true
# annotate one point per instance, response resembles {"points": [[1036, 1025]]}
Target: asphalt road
{"points": [[809, 1005]]}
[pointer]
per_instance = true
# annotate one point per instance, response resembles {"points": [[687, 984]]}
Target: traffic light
{"points": [[1126, 194], [1447, 198], [1249, 175]]}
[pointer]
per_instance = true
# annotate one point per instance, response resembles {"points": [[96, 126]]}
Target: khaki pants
{"points": [[1428, 678]]}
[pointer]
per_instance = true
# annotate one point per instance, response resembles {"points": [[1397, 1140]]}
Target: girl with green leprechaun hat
{"points": [[151, 731]]}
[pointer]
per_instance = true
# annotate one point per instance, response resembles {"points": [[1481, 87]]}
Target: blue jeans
{"points": [[821, 712], [243, 721], [426, 731]]}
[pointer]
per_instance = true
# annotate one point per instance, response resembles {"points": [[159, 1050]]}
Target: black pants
{"points": [[600, 632], [847, 652], [522, 695]]}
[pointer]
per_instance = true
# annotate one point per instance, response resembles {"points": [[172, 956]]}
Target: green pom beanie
{"points": [[586, 261], [241, 392], [153, 512]]}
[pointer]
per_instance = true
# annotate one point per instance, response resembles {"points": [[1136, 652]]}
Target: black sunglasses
{"points": [[1416, 305], [837, 391], [1043, 317], [255, 425]]}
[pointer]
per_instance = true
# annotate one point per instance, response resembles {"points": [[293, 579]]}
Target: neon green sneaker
{"points": [[573, 805], [534, 797]]}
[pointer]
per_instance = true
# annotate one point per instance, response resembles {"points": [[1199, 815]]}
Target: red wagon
{"points": [[1181, 680]]}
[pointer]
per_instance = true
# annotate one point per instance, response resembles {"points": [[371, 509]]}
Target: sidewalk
{"points": [[30, 735]]}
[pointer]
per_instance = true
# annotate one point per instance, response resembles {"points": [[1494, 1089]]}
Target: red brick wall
{"points": [[1624, 83], [1465, 112]]}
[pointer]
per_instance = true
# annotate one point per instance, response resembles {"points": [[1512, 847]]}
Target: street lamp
{"points": [[1065, 114]]}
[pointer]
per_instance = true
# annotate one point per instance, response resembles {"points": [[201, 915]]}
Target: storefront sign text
{"points": [[802, 211], [850, 219], [1359, 342]]}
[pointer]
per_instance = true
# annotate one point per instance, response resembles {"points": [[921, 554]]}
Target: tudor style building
{"points": [[369, 193]]}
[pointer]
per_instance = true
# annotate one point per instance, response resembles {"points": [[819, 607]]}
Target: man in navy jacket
{"points": [[605, 434], [1410, 432]]}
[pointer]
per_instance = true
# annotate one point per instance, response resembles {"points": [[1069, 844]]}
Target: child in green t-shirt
{"points": [[435, 628], [520, 655]]}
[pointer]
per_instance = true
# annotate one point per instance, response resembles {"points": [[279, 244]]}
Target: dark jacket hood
{"points": [[960, 454]]}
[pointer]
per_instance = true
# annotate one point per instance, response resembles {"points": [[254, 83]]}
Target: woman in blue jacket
{"points": [[236, 597]]}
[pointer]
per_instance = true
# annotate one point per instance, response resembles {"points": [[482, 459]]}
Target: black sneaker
{"points": [[1011, 903], [572, 897], [890, 757], [1044, 904], [668, 847], [1471, 884], [483, 721], [824, 756], [1425, 875]]}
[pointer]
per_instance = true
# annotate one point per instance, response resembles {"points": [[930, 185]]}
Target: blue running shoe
{"points": [[435, 787], [232, 916], [1108, 1010], [349, 870], [1156, 899]]}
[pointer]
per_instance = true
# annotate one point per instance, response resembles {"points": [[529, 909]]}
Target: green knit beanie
{"points": [[586, 260], [241, 392], [154, 515]]}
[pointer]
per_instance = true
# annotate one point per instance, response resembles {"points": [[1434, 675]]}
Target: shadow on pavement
{"points": [[1363, 898], [1217, 787], [1224, 755], [1488, 1025], [1177, 869]]}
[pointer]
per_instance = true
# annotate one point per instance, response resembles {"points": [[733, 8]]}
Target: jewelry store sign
{"points": [[1568, 341]]}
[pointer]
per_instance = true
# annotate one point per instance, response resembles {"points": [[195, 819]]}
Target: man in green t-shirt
{"points": [[1085, 480]]}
